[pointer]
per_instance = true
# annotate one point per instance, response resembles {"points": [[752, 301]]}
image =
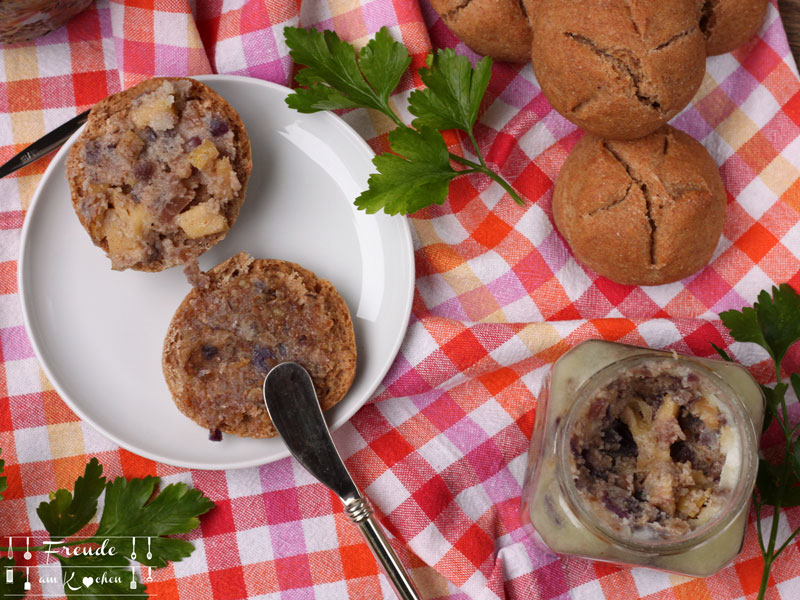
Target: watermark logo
{"points": [[106, 564]]}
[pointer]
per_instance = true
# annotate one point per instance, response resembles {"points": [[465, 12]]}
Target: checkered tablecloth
{"points": [[441, 449]]}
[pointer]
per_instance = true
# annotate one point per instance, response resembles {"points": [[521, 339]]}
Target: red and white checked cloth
{"points": [[441, 449]]}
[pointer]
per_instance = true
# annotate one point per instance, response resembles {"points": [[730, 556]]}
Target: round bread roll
{"points": [[727, 24], [615, 68], [254, 314], [641, 212], [159, 173], [496, 28]]}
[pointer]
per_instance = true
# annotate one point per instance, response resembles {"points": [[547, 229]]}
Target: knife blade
{"points": [[44, 145], [295, 411]]}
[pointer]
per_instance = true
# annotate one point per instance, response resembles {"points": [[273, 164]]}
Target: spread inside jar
{"points": [[649, 451]]}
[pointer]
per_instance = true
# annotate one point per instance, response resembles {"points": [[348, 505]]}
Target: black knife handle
{"points": [[44, 145]]}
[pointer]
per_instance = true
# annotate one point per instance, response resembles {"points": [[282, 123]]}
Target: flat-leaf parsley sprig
{"points": [[132, 511], [774, 324], [418, 172]]}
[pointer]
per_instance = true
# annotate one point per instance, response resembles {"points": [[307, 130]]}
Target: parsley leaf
{"points": [[774, 397], [743, 326], [65, 514], [131, 515], [99, 577], [3, 480], [412, 181], [128, 513], [795, 458], [721, 352], [336, 79], [383, 62], [318, 97], [15, 589], [773, 323], [779, 318], [772, 486], [767, 483], [453, 94]]}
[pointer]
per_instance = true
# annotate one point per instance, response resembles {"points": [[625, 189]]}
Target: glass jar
{"points": [[24, 20], [643, 457]]}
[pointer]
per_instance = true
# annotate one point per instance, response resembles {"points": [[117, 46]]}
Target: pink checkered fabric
{"points": [[441, 448]]}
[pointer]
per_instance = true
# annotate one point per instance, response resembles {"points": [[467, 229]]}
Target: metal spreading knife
{"points": [[44, 145], [294, 409]]}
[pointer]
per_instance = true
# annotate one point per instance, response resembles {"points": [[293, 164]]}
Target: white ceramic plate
{"points": [[98, 333]]}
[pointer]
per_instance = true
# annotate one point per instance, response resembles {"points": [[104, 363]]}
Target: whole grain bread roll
{"points": [[496, 28], [727, 24], [159, 173], [615, 68], [642, 212], [252, 315]]}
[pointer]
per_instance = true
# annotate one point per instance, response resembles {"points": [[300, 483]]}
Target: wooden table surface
{"points": [[790, 13]]}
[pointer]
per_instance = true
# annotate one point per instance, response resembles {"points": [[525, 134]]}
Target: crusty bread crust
{"points": [[643, 212], [496, 28], [212, 408], [76, 169], [728, 24], [618, 69]]}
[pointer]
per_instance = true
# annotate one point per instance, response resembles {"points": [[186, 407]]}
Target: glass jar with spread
{"points": [[24, 20], [644, 457]]}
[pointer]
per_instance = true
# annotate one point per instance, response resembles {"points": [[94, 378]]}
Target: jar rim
{"points": [[747, 445]]}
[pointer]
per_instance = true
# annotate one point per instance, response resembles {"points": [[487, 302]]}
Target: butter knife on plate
{"points": [[44, 145]]}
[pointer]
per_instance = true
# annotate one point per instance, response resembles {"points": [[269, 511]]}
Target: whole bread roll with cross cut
{"points": [[642, 212], [615, 68]]}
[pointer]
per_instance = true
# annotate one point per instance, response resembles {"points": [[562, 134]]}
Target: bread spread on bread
{"points": [[254, 314], [159, 173]]}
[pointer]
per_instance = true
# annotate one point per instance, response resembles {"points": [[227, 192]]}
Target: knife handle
{"points": [[44, 145], [359, 512]]}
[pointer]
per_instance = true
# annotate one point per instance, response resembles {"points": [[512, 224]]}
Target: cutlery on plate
{"points": [[295, 411], [44, 145]]}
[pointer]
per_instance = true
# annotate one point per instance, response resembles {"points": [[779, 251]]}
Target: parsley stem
{"points": [[773, 534], [475, 146], [505, 185], [757, 506], [773, 323], [478, 168], [762, 589], [787, 542], [771, 555], [464, 161], [392, 115]]}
